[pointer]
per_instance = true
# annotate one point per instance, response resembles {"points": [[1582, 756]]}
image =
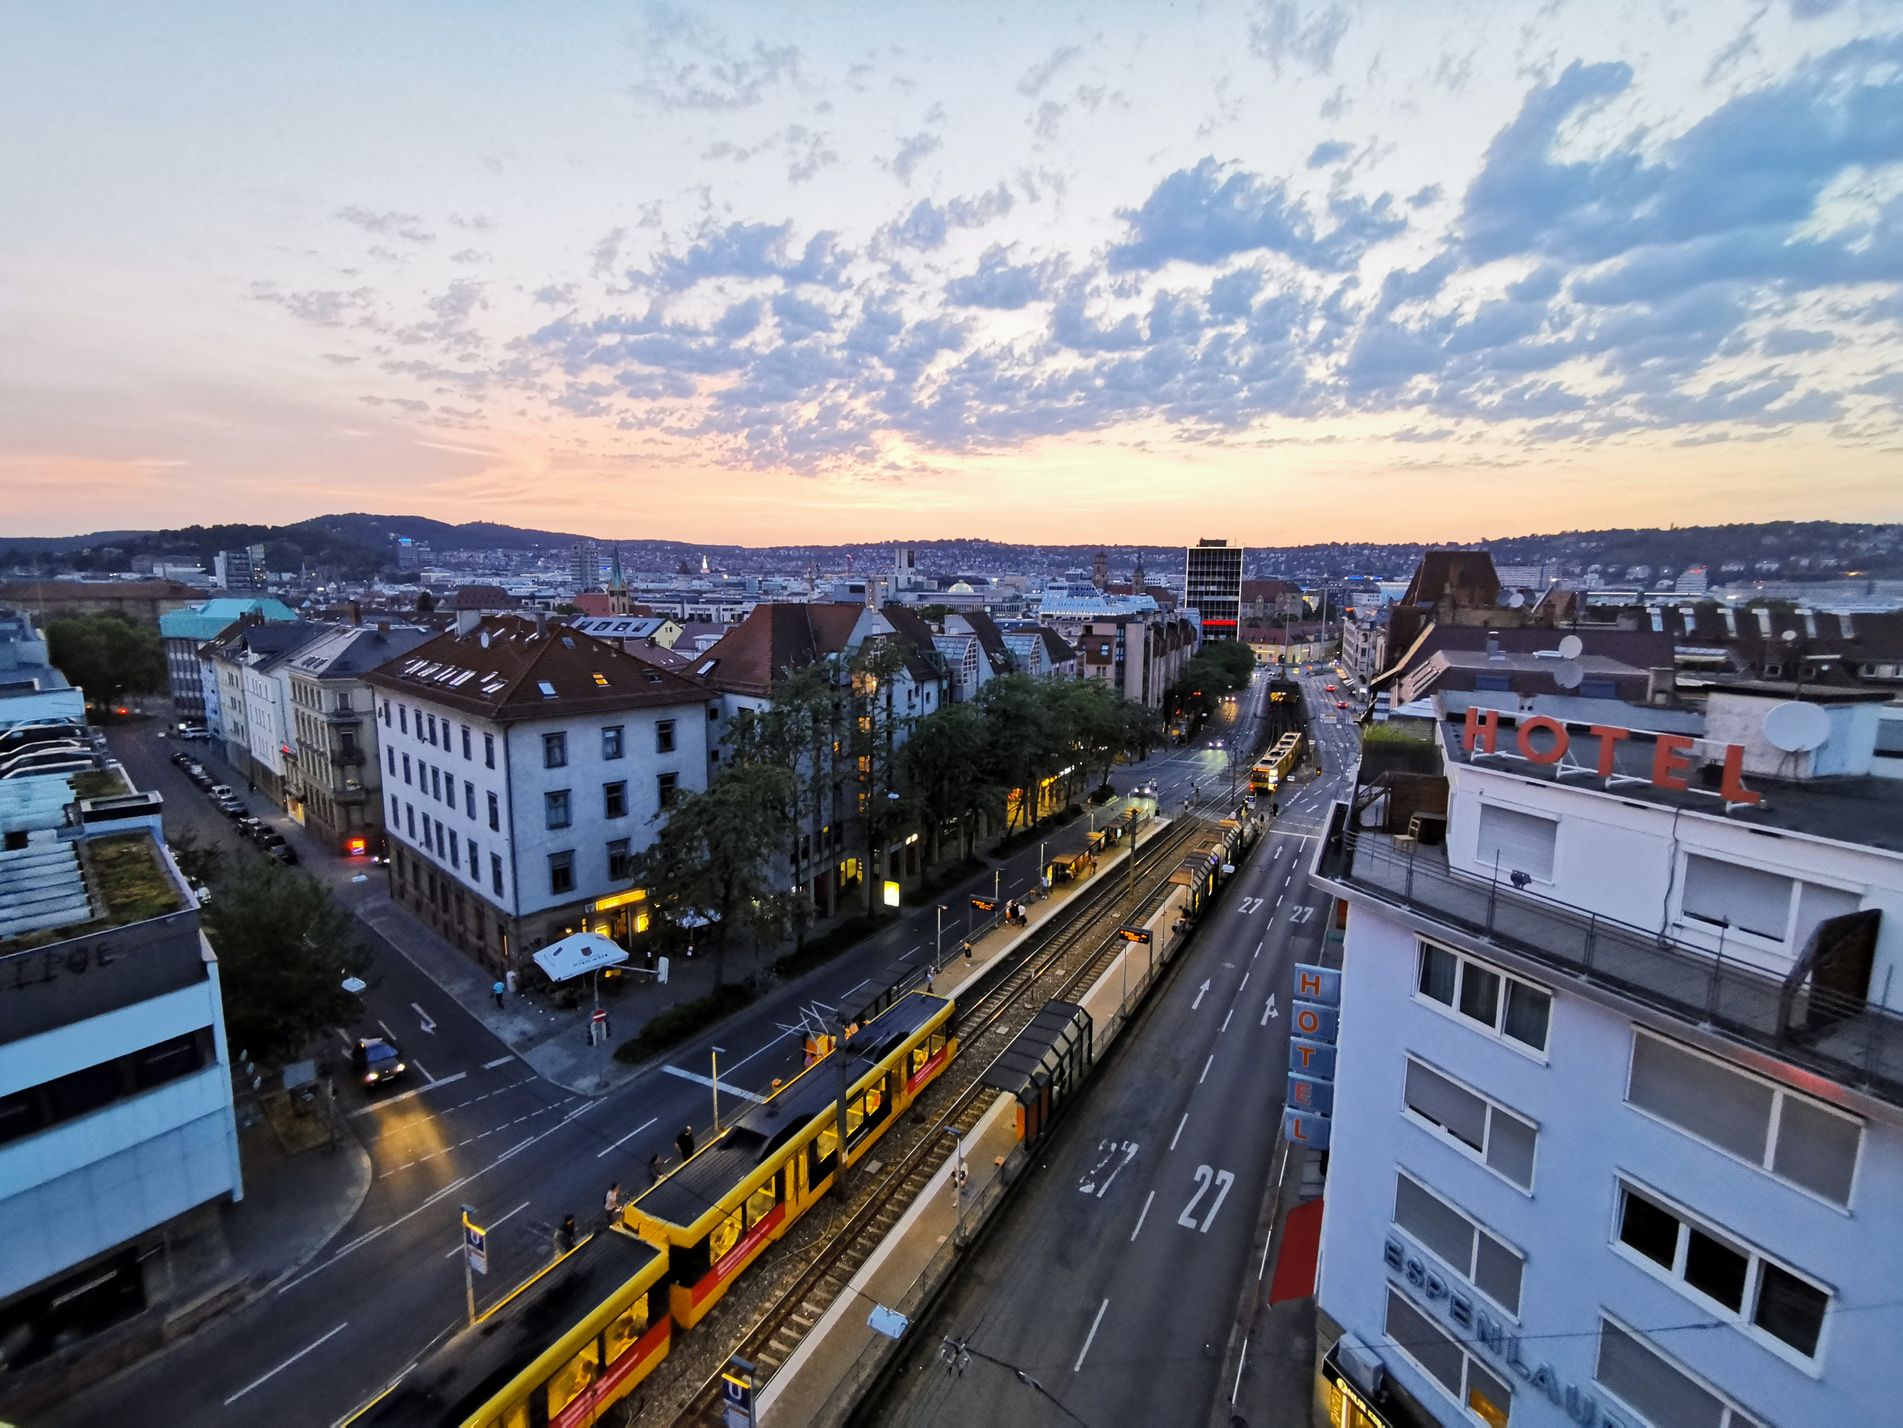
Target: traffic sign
{"points": [[736, 1394], [476, 1246], [600, 1014]]}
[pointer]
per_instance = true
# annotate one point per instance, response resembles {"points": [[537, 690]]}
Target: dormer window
{"points": [[548, 690]]}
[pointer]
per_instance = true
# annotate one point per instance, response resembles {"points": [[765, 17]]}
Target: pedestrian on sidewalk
{"points": [[565, 1236], [611, 1202], [967, 951], [654, 1167], [684, 1143], [929, 988], [497, 991], [509, 977]]}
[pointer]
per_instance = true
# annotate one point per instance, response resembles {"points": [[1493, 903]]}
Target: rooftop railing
{"points": [[1845, 1036]]}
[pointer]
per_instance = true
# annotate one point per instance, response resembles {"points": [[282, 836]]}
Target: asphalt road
{"points": [[477, 1127], [1112, 1283]]}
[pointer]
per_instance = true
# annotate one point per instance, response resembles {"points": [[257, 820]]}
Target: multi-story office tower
{"points": [[1212, 585], [1616, 1133]]}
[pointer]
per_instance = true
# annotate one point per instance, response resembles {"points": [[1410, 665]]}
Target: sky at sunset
{"points": [[1282, 272]]}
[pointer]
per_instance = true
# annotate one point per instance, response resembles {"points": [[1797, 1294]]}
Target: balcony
{"points": [[1829, 1030], [350, 756]]}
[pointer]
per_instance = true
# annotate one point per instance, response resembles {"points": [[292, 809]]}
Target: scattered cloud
{"points": [[912, 152], [1038, 77], [1329, 151], [690, 63], [1285, 31], [387, 224]]}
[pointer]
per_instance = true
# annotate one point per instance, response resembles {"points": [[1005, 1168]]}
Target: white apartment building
{"points": [[249, 708], [1615, 1113], [117, 1139], [524, 765]]}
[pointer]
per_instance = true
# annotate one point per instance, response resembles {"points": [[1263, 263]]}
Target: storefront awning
{"points": [[578, 953]]}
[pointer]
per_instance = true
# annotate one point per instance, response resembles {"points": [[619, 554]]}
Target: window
{"points": [[664, 737], [396, 809], [620, 864], [573, 1378], [1500, 1139], [625, 1332], [611, 741], [555, 805], [1509, 1008], [466, 753], [1791, 1136], [665, 788], [1512, 841], [761, 1202], [475, 861], [489, 750], [495, 813], [390, 753], [495, 872], [1731, 895], [403, 718], [386, 713], [455, 850], [1481, 1257], [1438, 1355], [430, 737], [469, 799], [561, 872], [409, 813], [554, 751], [614, 800], [1652, 1385], [436, 784], [1761, 1295], [406, 768]]}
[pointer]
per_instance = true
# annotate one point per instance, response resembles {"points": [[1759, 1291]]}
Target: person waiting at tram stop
{"points": [[684, 1143]]}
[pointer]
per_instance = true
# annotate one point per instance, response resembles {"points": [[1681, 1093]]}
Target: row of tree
{"points": [[834, 750], [107, 655]]}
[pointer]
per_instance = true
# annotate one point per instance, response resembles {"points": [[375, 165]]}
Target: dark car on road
{"points": [[377, 1061], [283, 852]]}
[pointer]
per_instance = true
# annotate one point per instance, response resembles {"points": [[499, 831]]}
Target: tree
{"points": [[200, 863], [107, 655], [284, 948], [1026, 737], [717, 857], [872, 736], [425, 603], [945, 773]]}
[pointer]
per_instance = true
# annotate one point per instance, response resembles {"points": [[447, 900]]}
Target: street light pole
{"points": [[714, 1053], [938, 948]]}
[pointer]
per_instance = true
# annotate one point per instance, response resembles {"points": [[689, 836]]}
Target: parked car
{"points": [[201, 778], [181, 758], [283, 852], [267, 836], [223, 790], [250, 827], [202, 893], [377, 1060], [232, 808]]}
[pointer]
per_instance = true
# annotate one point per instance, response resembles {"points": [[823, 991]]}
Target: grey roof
{"points": [[351, 651]]}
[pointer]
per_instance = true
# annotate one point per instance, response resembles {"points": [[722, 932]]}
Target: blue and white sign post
{"points": [[475, 1257]]}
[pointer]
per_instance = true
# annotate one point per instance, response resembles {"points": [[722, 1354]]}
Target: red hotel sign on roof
{"points": [[1671, 753]]}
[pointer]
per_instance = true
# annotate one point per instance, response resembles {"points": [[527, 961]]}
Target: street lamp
{"points": [[714, 1053], [938, 948]]}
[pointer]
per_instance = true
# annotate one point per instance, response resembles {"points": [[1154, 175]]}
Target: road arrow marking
{"points": [[1200, 991], [1269, 1011], [429, 1027]]}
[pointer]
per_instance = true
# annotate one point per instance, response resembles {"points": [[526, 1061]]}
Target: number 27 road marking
{"points": [[1249, 905], [1205, 1177]]}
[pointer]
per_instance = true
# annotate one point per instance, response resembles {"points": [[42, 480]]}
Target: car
{"points": [[181, 758], [201, 778], [268, 838], [1329, 687], [283, 852], [1146, 790], [377, 1061], [250, 827], [222, 790], [1341, 703], [232, 808], [202, 893], [1215, 743], [193, 731]]}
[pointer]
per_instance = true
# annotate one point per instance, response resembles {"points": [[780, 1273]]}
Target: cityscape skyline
{"points": [[1259, 260]]}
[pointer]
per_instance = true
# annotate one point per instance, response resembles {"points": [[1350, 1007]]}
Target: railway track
{"points": [[1058, 963]]}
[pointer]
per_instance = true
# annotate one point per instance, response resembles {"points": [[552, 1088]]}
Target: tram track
{"points": [[1058, 963]]}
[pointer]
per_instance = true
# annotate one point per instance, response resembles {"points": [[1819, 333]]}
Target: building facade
{"points": [[524, 766], [331, 710], [1615, 1112], [185, 631], [117, 1138], [1212, 585]]}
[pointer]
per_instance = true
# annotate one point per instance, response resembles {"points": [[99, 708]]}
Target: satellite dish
{"points": [[1571, 647], [1796, 728], [1789, 637], [1516, 599], [1504, 599], [1567, 675]]}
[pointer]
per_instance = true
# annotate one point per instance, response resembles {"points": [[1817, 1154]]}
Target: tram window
{"points": [[627, 1328], [571, 1380], [516, 1417], [822, 1151], [855, 1116], [725, 1236], [920, 1055], [760, 1204]]}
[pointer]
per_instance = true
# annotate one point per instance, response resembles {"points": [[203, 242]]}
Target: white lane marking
{"points": [[449, 1189], [1078, 1366], [1225, 1021], [427, 1078], [287, 1363], [768, 1047], [1200, 992], [1269, 1010], [1179, 1130], [626, 1138], [386, 1028], [709, 1081], [413, 1091], [1141, 1213], [1244, 982], [1206, 1065], [1236, 1391], [429, 1026], [913, 953], [499, 1061], [458, 1249], [854, 987]]}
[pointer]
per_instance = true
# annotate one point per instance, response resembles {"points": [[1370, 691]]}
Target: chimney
{"points": [[541, 623], [1661, 684], [467, 620], [1493, 645], [354, 612], [383, 627]]}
